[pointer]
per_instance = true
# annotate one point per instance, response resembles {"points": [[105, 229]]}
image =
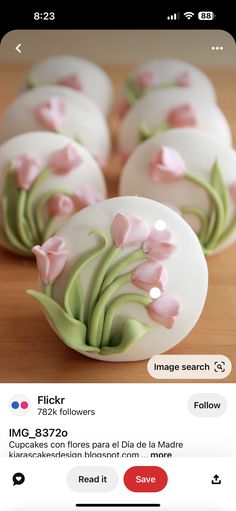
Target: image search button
{"points": [[18, 479], [145, 479]]}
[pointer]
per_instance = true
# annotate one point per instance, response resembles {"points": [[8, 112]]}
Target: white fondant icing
{"points": [[153, 109], [199, 151], [186, 268], [95, 82], [83, 118]]}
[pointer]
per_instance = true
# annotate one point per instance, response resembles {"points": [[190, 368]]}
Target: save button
{"points": [[145, 479]]}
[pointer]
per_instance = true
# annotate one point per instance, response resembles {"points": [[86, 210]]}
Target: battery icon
{"points": [[206, 15]]}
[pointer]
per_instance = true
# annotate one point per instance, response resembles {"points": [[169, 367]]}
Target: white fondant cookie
{"points": [[117, 279], [192, 172], [59, 109], [164, 109], [44, 179], [164, 73], [79, 74]]}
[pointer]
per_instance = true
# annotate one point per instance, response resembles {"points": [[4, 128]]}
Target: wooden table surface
{"points": [[31, 352]]}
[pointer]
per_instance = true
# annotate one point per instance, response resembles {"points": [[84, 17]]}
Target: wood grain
{"points": [[31, 352]]}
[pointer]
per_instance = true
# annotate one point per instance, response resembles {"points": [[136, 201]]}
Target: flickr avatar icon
{"points": [[19, 404]]}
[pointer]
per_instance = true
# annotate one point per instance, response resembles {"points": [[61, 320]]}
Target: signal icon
{"points": [[188, 15], [173, 17]]}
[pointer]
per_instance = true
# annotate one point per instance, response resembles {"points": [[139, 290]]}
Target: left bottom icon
{"points": [[18, 478]]}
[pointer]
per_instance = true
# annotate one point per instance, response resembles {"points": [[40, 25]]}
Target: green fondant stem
{"points": [[146, 133], [95, 326], [50, 229], [120, 265], [10, 235], [219, 224], [21, 222], [114, 306], [29, 210], [48, 289], [39, 209], [111, 254], [202, 217], [73, 289]]}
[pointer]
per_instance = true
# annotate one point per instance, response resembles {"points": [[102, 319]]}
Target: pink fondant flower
{"points": [[101, 160], [84, 196], [167, 165], [65, 159], [150, 274], [27, 167], [159, 245], [183, 115], [145, 79], [184, 80], [60, 204], [73, 81], [128, 230], [233, 191], [51, 114], [51, 258], [164, 310], [123, 107]]}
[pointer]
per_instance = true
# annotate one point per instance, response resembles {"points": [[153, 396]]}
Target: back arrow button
{"points": [[18, 48]]}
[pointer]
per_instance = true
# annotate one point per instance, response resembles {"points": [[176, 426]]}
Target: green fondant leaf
{"points": [[194, 210], [211, 225], [29, 210], [217, 181], [9, 206], [130, 332], [132, 93], [73, 299], [31, 82], [144, 132], [70, 330]]}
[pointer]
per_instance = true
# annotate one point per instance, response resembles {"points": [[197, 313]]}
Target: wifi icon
{"points": [[188, 15]]}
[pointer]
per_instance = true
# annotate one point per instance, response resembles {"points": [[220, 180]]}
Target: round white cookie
{"points": [[154, 171], [161, 73], [79, 74], [111, 318], [44, 179], [57, 108], [170, 108]]}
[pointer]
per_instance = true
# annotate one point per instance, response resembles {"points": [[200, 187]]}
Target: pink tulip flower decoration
{"points": [[159, 245], [65, 159], [183, 115], [51, 258], [51, 114], [233, 191], [167, 165], [60, 204], [85, 196], [149, 275], [145, 79], [164, 310], [129, 230], [73, 81], [27, 167], [184, 80]]}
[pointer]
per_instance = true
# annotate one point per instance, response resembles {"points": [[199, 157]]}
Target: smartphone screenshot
{"points": [[117, 263]]}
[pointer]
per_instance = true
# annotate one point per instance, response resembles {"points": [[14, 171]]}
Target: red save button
{"points": [[145, 479]]}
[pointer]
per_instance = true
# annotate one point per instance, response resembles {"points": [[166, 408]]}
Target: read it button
{"points": [[145, 479]]}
